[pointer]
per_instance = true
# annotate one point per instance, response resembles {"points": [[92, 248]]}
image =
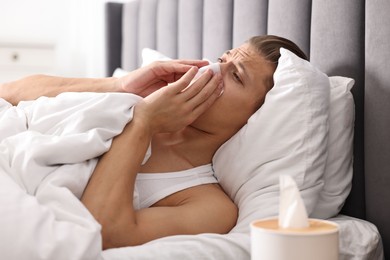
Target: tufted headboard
{"points": [[348, 38]]}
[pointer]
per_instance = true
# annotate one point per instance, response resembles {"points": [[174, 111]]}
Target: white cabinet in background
{"points": [[19, 60]]}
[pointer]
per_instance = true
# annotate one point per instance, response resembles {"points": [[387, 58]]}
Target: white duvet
{"points": [[48, 150]]}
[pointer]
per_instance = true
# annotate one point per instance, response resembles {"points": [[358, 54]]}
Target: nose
{"points": [[225, 67], [215, 67]]}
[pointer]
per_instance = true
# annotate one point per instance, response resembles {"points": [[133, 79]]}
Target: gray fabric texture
{"points": [[250, 18], [167, 29], [337, 48], [129, 33], [377, 117], [217, 27], [347, 38], [147, 26], [292, 21], [190, 29], [113, 37]]}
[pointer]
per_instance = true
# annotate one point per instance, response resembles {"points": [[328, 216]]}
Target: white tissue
{"points": [[292, 210], [215, 67]]}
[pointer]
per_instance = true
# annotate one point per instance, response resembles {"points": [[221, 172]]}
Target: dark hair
{"points": [[268, 46]]}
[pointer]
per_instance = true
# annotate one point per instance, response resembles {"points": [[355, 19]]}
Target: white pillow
{"points": [[287, 135], [150, 55], [119, 72], [338, 172]]}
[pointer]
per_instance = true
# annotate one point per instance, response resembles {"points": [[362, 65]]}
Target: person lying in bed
{"points": [[177, 190]]}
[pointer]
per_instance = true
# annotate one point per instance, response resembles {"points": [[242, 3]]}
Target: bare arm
{"points": [[32, 87], [109, 194], [142, 82]]}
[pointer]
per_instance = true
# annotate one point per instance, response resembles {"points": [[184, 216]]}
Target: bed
{"points": [[44, 170], [344, 38]]}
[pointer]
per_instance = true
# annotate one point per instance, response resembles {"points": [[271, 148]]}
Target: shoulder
{"points": [[206, 206]]}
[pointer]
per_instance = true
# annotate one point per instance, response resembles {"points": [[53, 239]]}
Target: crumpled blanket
{"points": [[48, 150]]}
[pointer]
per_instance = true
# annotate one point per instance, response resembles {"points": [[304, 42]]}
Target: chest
{"points": [[165, 159]]}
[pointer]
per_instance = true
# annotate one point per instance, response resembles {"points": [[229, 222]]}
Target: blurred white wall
{"points": [[74, 27]]}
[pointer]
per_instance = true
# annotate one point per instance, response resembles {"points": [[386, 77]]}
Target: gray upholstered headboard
{"points": [[348, 38]]}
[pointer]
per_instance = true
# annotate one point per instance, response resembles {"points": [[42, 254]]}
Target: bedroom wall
{"points": [[70, 30]]}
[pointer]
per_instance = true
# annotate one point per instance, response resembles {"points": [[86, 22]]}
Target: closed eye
{"points": [[235, 74], [237, 77]]}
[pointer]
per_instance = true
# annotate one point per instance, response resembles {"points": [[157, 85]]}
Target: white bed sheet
{"points": [[44, 170], [359, 240]]}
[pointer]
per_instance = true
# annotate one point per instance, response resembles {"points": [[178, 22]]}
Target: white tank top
{"points": [[152, 187]]}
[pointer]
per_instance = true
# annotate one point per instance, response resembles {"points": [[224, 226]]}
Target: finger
{"points": [[177, 76], [184, 81], [213, 87], [149, 90], [202, 107], [175, 69], [196, 86], [179, 67], [197, 63]]}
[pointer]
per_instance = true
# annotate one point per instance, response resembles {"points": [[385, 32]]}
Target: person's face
{"points": [[247, 77]]}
